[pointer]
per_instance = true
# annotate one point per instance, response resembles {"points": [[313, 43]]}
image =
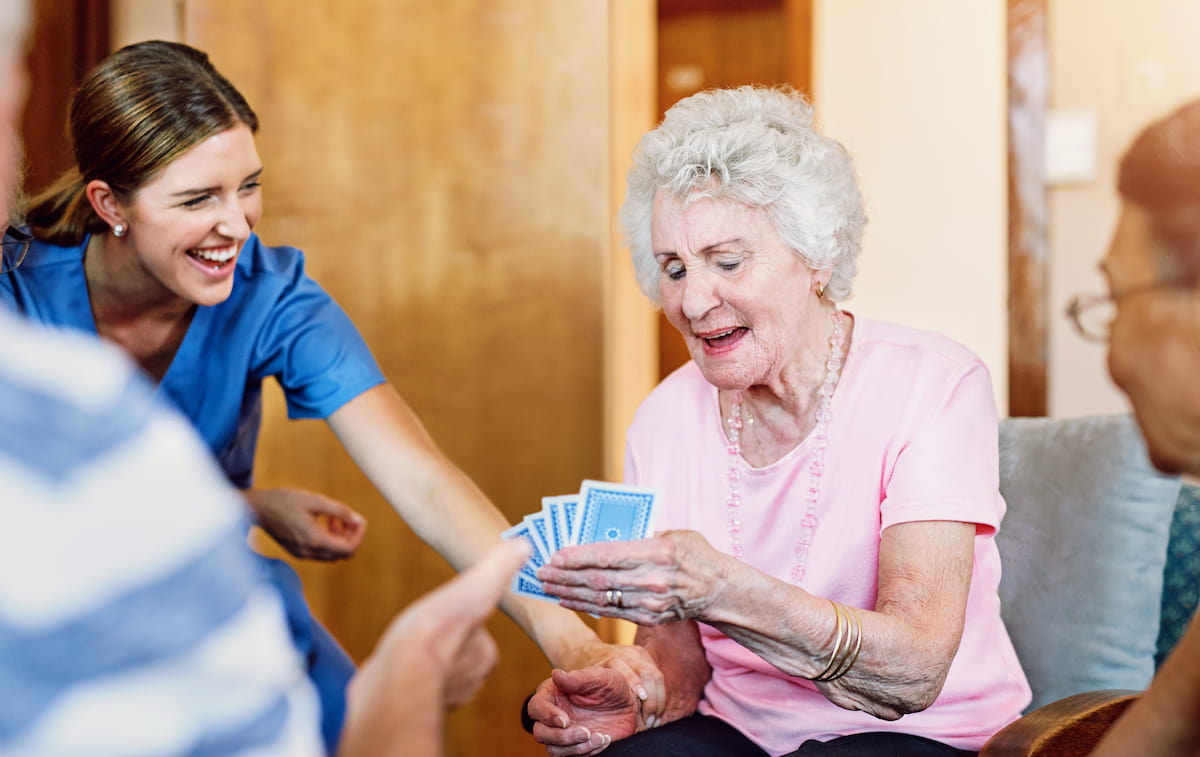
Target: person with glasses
{"points": [[1151, 321], [14, 245], [148, 243]]}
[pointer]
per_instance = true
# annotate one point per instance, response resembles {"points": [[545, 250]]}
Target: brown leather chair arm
{"points": [[1070, 727]]}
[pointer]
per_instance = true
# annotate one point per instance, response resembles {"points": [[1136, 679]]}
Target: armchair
{"points": [[1084, 547]]}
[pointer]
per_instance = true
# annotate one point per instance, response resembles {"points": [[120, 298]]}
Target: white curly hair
{"points": [[755, 146]]}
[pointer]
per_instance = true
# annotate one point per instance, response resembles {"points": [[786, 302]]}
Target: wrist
{"points": [[558, 632]]}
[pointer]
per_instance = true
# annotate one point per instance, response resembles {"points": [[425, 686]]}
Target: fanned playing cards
{"points": [[601, 511]]}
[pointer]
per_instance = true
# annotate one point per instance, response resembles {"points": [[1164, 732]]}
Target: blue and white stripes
{"points": [[133, 618]]}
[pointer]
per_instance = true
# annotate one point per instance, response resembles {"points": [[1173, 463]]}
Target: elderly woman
{"points": [[825, 578]]}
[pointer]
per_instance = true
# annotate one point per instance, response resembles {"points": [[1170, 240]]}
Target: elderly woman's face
{"points": [[1154, 347], [739, 296]]}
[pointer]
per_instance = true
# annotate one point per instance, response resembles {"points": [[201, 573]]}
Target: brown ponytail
{"points": [[138, 110]]}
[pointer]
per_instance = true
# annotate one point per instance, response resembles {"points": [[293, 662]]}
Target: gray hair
{"points": [[755, 146]]}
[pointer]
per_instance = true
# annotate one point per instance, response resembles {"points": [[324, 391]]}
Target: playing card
{"points": [[536, 559], [530, 587], [614, 512], [539, 529], [560, 516]]}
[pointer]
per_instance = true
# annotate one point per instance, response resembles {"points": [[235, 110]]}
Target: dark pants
{"points": [[702, 736]]}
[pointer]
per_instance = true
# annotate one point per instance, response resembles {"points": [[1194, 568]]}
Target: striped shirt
{"points": [[133, 618]]}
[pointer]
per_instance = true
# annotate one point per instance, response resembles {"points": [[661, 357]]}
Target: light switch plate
{"points": [[1070, 146]]}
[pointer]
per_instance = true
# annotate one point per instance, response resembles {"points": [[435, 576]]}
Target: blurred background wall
{"points": [[452, 170]]}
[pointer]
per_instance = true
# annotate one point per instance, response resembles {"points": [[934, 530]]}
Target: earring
{"points": [[119, 230], [820, 290]]}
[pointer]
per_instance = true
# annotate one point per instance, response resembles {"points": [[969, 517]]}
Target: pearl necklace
{"points": [[808, 524]]}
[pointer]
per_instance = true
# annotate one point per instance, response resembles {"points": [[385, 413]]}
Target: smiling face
{"points": [[743, 301], [1154, 347], [187, 225]]}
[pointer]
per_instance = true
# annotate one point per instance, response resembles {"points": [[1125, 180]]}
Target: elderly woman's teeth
{"points": [[713, 338]]}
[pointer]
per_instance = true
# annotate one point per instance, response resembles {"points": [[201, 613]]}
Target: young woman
{"points": [[148, 242]]}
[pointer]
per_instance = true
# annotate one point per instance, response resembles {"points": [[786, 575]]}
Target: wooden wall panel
{"points": [[446, 168], [69, 37]]}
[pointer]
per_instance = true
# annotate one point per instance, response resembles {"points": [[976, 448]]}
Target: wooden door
{"points": [[446, 168]]}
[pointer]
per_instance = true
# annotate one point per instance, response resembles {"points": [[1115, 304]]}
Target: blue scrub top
{"points": [[277, 322]]}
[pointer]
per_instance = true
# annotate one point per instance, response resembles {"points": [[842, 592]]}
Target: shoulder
{"points": [[45, 260], [259, 259], [903, 378], [903, 350], [43, 254]]}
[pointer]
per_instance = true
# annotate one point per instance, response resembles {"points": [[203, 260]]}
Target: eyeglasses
{"points": [[13, 247], [1093, 314]]}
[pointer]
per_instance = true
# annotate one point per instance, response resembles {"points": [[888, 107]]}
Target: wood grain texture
{"points": [[1069, 727], [1028, 208], [631, 321], [69, 38], [446, 168]]}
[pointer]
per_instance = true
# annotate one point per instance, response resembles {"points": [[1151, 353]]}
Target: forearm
{"points": [[901, 664], [474, 525], [1165, 719], [393, 715], [256, 500], [443, 505], [679, 653]]}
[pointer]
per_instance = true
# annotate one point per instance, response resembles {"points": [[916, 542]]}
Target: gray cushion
{"points": [[1083, 546]]}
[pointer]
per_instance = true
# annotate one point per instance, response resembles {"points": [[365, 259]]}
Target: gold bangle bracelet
{"points": [[840, 631], [852, 656]]}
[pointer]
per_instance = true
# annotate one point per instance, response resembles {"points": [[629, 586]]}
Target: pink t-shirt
{"points": [[913, 437]]}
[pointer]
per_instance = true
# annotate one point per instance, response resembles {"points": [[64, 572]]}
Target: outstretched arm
{"points": [[450, 513]]}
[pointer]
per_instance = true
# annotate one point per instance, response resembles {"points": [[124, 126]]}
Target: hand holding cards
{"points": [[600, 512]]}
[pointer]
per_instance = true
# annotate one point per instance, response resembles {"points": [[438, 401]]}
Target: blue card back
{"points": [[614, 512]]}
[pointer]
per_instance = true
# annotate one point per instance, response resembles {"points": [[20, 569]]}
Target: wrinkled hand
{"points": [[635, 665], [308, 525], [673, 576], [583, 711]]}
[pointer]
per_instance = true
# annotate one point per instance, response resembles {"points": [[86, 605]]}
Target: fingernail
{"points": [[641, 692], [597, 739], [652, 721], [562, 721]]}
